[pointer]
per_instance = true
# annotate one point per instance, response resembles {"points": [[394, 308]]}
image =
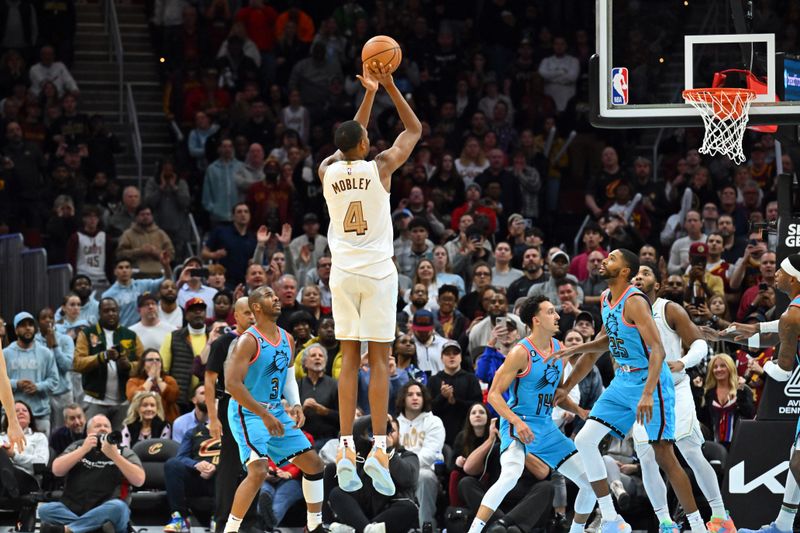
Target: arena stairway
{"points": [[96, 74]]}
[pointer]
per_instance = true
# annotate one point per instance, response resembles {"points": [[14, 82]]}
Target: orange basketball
{"points": [[384, 49]]}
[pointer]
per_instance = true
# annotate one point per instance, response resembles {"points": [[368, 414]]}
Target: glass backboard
{"points": [[649, 51]]}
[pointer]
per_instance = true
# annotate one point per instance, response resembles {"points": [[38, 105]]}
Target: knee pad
{"points": [[313, 488]]}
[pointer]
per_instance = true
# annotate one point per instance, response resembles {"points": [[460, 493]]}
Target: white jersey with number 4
{"points": [[360, 232]]}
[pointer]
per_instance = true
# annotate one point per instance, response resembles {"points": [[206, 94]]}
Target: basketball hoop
{"points": [[724, 112]]}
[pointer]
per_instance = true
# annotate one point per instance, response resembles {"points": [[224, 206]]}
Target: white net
{"points": [[724, 113]]}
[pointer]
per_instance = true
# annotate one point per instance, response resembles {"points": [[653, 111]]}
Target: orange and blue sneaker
{"points": [[721, 525], [178, 524], [668, 527], [346, 470], [377, 467], [615, 526]]}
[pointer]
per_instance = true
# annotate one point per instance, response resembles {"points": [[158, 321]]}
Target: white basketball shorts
{"points": [[364, 308]]}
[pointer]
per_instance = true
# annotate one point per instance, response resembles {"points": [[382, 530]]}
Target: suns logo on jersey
{"points": [[549, 376]]}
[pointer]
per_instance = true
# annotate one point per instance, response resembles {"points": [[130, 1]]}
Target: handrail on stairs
{"points": [[136, 134], [115, 52]]}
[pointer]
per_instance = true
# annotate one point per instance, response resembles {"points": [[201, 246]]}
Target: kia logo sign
{"points": [[737, 484]]}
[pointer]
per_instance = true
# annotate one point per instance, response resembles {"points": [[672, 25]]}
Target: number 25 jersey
{"points": [[360, 232]]}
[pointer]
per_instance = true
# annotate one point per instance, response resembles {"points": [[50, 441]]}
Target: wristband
{"points": [[776, 372], [754, 342], [769, 327]]}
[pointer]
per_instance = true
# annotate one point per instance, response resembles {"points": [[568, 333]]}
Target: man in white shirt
{"points": [[190, 285], [48, 69], [168, 309], [150, 329], [679, 253], [502, 273], [560, 72], [429, 344], [423, 433]]}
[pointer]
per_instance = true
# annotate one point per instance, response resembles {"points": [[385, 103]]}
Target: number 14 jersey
{"points": [[360, 232]]}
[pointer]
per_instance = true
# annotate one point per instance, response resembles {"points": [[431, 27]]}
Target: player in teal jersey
{"points": [[641, 391], [531, 375], [257, 375]]}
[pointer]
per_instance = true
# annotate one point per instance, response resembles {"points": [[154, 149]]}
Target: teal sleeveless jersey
{"points": [[624, 341], [268, 368], [531, 394]]}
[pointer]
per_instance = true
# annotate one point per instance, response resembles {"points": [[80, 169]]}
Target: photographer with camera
{"points": [[95, 469]]}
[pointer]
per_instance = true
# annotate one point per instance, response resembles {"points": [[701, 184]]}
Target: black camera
{"points": [[115, 437]]}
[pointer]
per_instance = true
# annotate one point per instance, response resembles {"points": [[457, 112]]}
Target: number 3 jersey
{"points": [[268, 367], [360, 232]]}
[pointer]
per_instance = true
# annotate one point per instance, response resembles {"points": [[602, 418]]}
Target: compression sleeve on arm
{"points": [[697, 352], [769, 327], [290, 390], [776, 372]]}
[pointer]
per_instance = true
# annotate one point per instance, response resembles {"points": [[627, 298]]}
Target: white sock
{"points": [[477, 526], [696, 522], [785, 520], [718, 509], [380, 442], [576, 527], [313, 520], [662, 513], [233, 524], [607, 508], [347, 441]]}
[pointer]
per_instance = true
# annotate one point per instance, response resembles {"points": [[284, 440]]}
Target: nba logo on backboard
{"points": [[619, 86]]}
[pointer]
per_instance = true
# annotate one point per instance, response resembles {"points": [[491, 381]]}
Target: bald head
{"points": [[98, 424], [243, 314]]}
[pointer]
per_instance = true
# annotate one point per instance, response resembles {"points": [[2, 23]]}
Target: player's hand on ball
{"points": [[368, 80], [644, 411], [523, 431], [380, 72], [273, 425], [296, 412]]}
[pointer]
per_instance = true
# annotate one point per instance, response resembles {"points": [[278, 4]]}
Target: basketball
{"points": [[384, 49]]}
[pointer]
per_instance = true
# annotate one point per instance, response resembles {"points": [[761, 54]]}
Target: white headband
{"points": [[789, 268]]}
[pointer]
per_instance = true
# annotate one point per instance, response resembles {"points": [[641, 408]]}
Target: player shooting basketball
{"points": [[363, 277]]}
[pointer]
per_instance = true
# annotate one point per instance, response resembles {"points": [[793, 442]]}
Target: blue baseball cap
{"points": [[24, 315], [423, 320]]}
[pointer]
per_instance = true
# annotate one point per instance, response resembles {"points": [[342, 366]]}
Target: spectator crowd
{"points": [[481, 215]]}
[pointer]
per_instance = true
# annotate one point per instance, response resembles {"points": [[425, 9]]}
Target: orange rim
{"points": [[725, 103]]}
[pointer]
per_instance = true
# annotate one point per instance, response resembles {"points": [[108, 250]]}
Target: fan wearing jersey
{"points": [[363, 278], [531, 375], [787, 279], [257, 376], [641, 391], [676, 328]]}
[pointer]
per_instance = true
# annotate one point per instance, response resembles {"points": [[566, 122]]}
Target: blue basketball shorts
{"points": [[254, 439], [549, 443], [616, 407]]}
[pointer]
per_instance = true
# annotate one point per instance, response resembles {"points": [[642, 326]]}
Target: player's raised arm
{"points": [[638, 312], [393, 158], [516, 361], [362, 116]]}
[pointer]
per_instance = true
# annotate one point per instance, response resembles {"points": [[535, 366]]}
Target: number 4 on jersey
{"points": [[354, 219]]}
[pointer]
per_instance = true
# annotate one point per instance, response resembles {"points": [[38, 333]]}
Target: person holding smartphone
{"points": [[190, 285]]}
